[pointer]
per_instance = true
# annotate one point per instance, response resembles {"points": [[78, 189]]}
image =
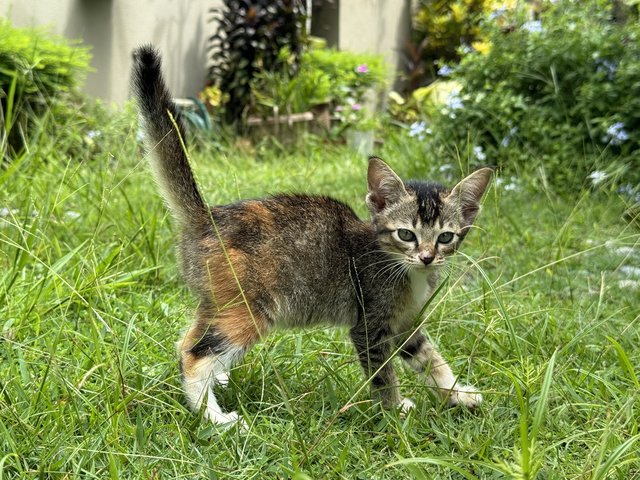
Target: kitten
{"points": [[295, 260]]}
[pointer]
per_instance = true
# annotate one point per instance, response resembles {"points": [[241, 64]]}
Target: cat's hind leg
{"points": [[207, 352], [422, 356], [198, 377]]}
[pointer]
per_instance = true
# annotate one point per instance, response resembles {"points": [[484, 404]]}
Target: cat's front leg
{"points": [[422, 356], [374, 348]]}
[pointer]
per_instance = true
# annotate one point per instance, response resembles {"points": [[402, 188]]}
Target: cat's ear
{"points": [[467, 194], [385, 187]]}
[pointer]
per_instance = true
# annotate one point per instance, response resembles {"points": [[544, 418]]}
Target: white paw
{"points": [[222, 379], [226, 420], [466, 395], [406, 405]]}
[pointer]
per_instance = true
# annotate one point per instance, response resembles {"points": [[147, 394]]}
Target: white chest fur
{"points": [[420, 289]]}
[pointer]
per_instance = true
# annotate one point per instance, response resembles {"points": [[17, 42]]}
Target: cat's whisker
{"points": [[386, 269], [385, 260]]}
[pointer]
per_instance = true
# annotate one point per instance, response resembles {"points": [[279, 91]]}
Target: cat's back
{"points": [[291, 250], [286, 221]]}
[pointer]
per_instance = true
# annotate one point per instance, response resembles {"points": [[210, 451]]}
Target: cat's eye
{"points": [[406, 235], [445, 237]]}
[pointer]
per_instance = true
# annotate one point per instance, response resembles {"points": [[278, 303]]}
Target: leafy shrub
{"points": [[440, 28], [561, 94], [326, 76], [250, 37], [36, 69]]}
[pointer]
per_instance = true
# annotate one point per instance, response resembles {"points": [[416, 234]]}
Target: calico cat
{"points": [[296, 260]]}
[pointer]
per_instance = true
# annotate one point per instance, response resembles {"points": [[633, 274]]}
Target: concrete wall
{"points": [[375, 26], [114, 28], [179, 28]]}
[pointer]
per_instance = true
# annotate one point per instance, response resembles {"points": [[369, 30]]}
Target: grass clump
{"points": [[540, 313], [36, 69]]}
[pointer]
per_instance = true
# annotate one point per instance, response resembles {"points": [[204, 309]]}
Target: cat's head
{"points": [[422, 222]]}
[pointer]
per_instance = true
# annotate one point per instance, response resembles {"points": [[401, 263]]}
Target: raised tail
{"points": [[164, 136]]}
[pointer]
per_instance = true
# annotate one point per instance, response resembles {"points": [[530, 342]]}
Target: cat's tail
{"points": [[164, 136]]}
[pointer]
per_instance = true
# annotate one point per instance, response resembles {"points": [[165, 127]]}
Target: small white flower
{"points": [[71, 214], [534, 26], [478, 152], [630, 271], [597, 177], [511, 186], [629, 284]]}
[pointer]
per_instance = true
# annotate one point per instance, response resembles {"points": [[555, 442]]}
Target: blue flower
{"points": [[629, 191], [533, 26], [497, 13], [445, 71], [616, 134], [454, 102], [507, 139], [418, 129], [608, 67]]}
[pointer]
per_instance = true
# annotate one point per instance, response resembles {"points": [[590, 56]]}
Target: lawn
{"points": [[540, 311]]}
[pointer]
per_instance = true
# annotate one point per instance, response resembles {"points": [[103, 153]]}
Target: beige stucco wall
{"points": [[375, 26], [114, 28], [179, 28]]}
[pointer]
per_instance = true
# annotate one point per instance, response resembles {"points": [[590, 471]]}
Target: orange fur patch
{"points": [[227, 271], [240, 326], [259, 213], [232, 315]]}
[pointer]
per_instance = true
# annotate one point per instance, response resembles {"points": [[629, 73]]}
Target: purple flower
{"points": [[339, 108], [356, 107], [362, 68]]}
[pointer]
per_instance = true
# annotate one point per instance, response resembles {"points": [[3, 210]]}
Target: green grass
{"points": [[534, 314]]}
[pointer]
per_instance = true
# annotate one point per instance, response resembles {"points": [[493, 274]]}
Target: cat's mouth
{"points": [[417, 264]]}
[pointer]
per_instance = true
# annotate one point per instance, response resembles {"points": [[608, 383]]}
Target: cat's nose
{"points": [[426, 257]]}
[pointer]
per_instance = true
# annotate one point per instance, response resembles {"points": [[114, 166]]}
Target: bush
{"points": [[250, 38], [36, 69], [559, 94], [339, 78], [440, 29]]}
